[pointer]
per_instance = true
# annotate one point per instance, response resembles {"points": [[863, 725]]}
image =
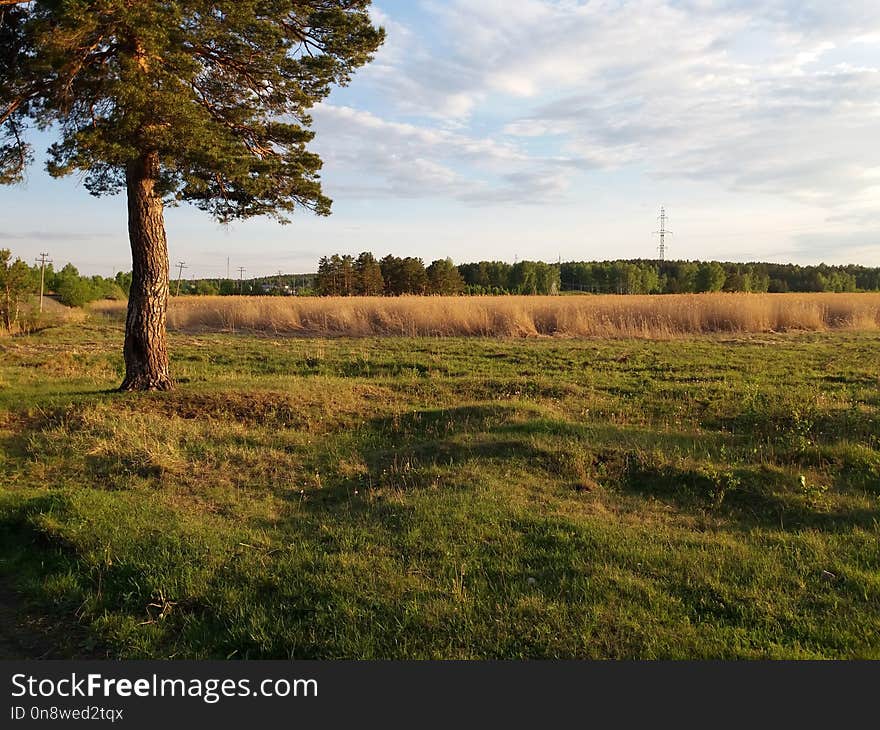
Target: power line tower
{"points": [[663, 232], [241, 270], [42, 260], [180, 267]]}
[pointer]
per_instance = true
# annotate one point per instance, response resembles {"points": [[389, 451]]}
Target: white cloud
{"points": [[374, 157], [733, 91]]}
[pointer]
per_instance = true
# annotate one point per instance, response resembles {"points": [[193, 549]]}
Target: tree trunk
{"points": [[7, 322], [146, 349]]}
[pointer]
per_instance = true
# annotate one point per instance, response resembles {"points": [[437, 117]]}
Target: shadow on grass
{"points": [[745, 497], [821, 427], [633, 461], [33, 625]]}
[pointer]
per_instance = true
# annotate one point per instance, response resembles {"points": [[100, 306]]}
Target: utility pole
{"points": [[241, 270], [227, 267], [663, 232], [180, 267], [280, 287], [42, 260]]}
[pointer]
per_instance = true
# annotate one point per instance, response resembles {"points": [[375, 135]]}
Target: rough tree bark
{"points": [[146, 349]]}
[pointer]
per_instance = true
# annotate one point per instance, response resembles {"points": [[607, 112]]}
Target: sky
{"points": [[547, 129]]}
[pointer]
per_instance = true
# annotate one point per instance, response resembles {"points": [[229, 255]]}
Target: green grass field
{"points": [[447, 498]]}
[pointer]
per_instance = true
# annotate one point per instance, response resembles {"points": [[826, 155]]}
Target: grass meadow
{"points": [[711, 496]]}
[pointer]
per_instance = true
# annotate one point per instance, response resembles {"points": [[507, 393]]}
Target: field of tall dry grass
{"points": [[654, 317]]}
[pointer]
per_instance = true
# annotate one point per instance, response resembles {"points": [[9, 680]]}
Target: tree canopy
{"points": [[220, 90]]}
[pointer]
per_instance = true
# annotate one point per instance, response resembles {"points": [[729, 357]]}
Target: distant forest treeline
{"points": [[393, 276], [365, 275]]}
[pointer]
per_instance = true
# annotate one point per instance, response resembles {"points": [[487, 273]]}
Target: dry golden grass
{"points": [[515, 316]]}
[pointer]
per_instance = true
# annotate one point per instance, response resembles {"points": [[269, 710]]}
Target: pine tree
{"points": [[184, 101], [368, 276], [444, 278], [347, 276]]}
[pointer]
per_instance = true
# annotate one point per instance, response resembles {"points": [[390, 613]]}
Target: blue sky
{"points": [[547, 128]]}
